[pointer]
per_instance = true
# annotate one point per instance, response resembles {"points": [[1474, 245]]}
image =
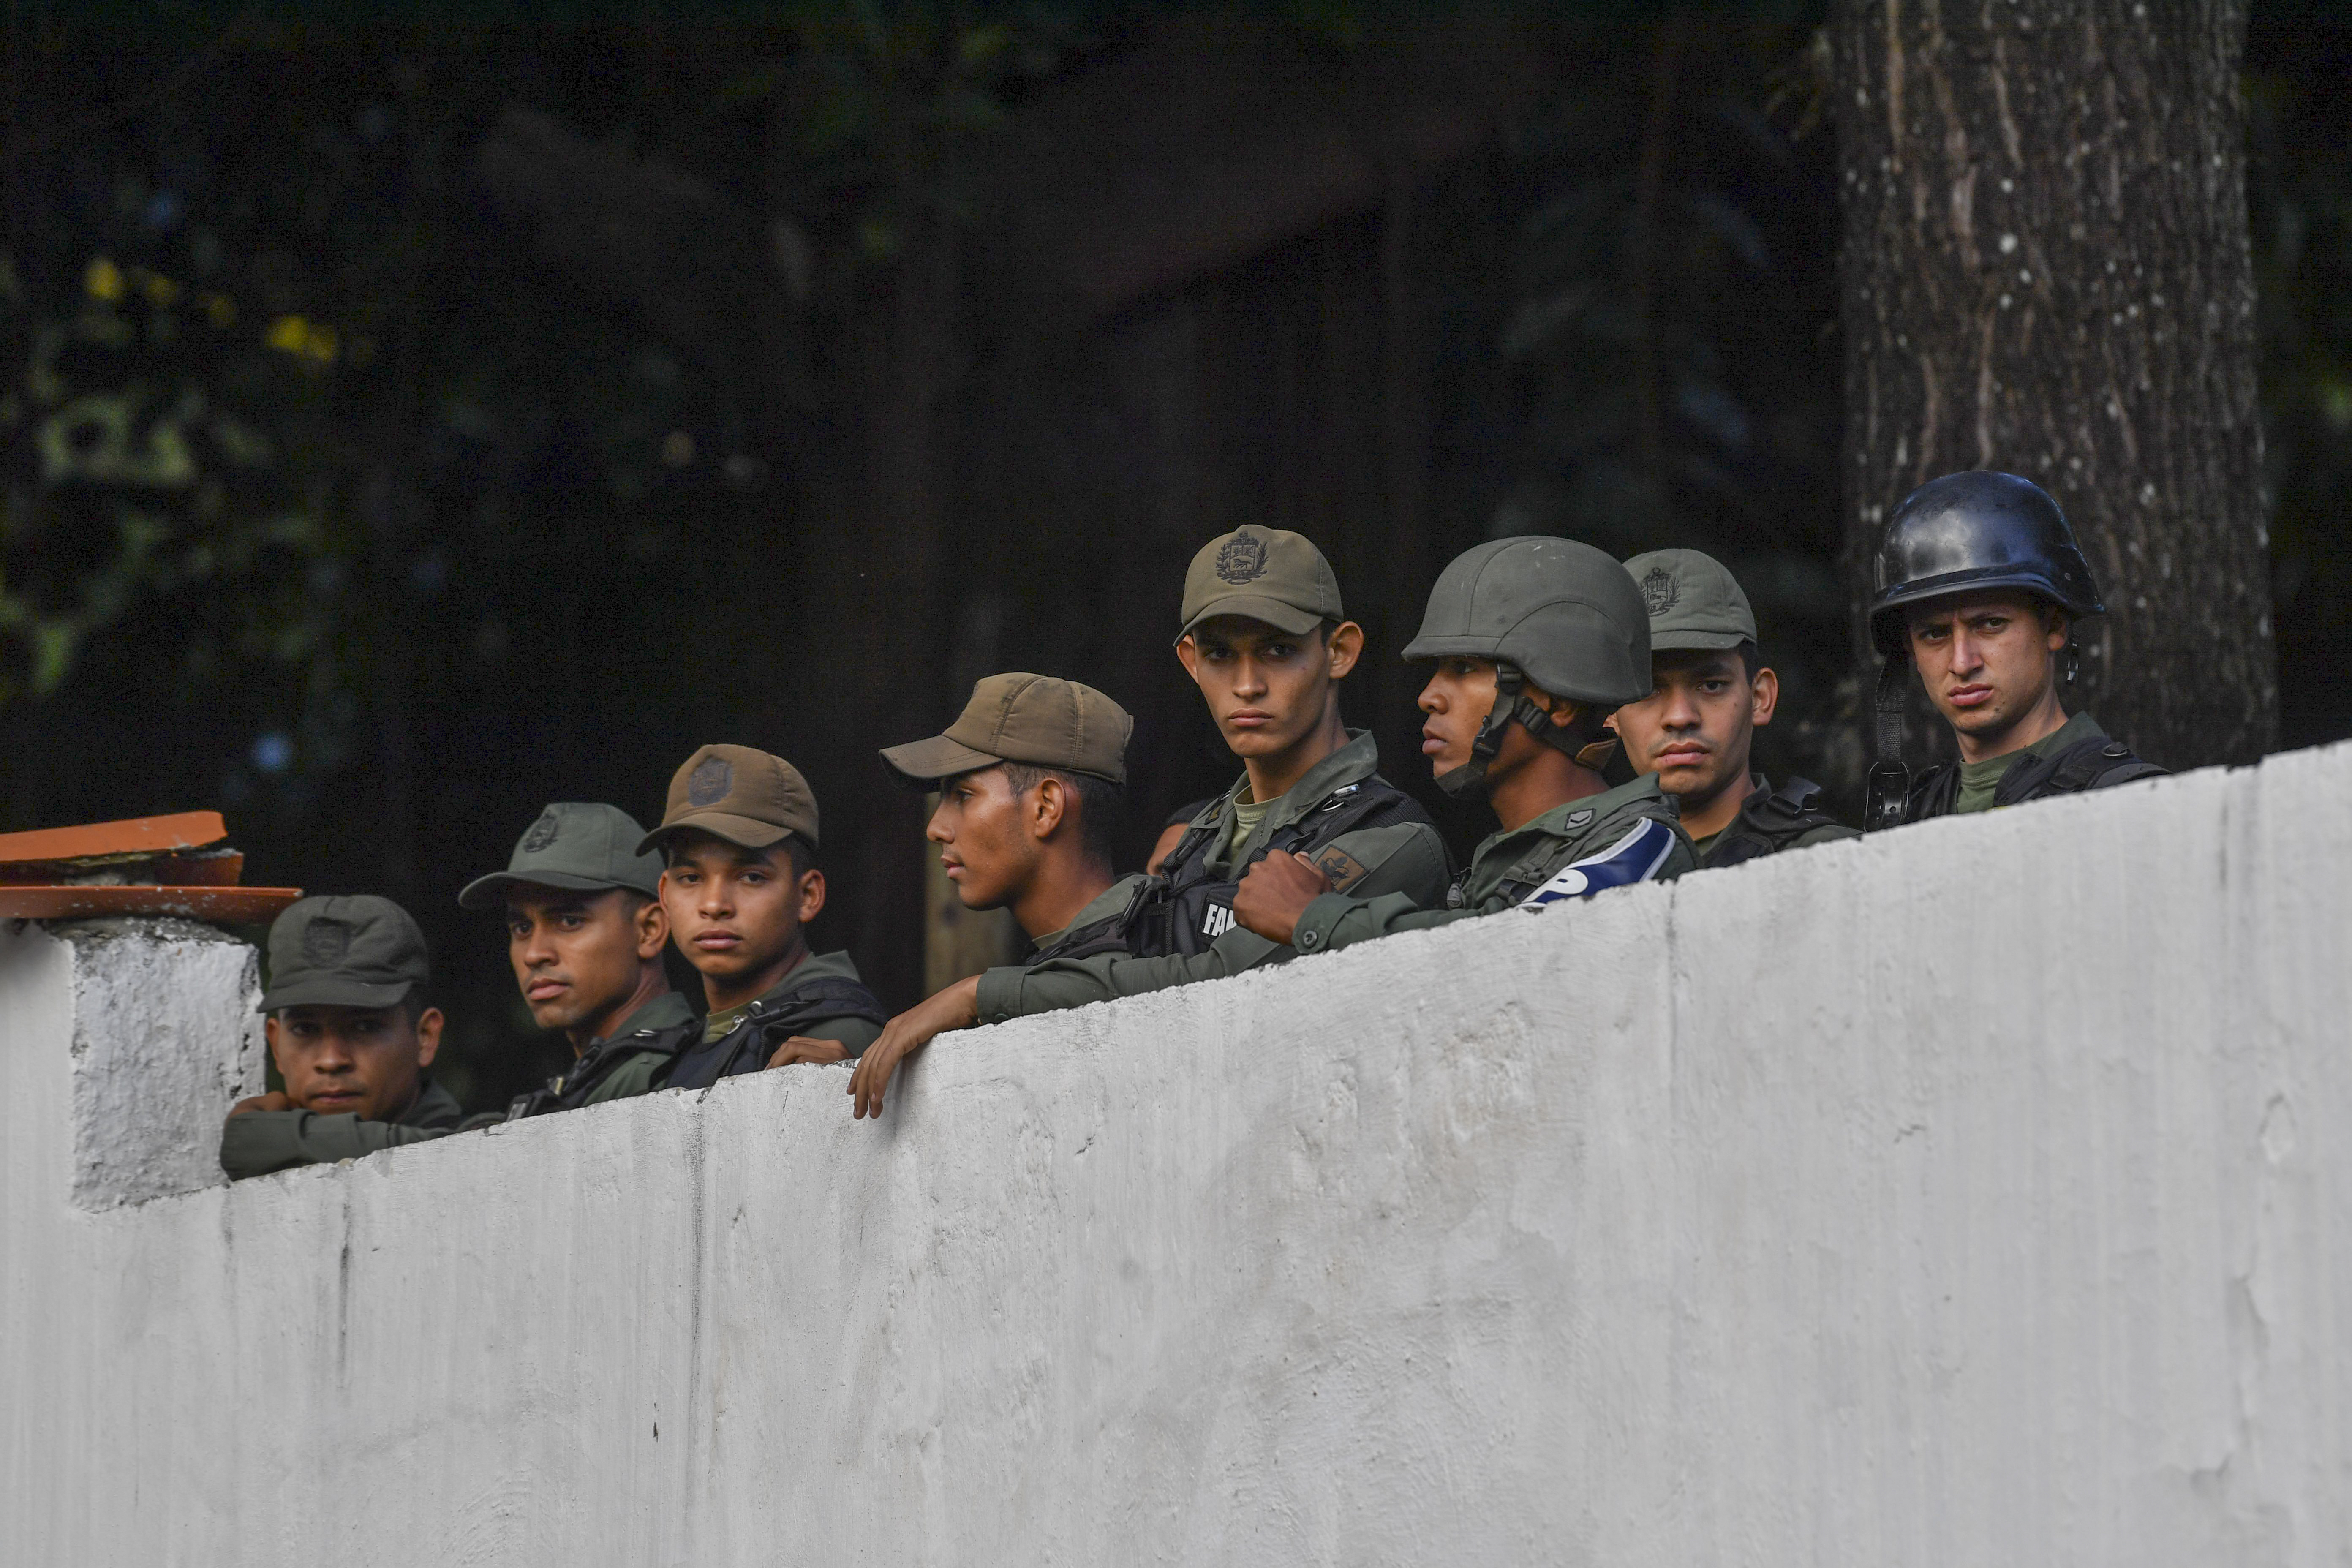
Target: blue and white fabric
{"points": [[1632, 858]]}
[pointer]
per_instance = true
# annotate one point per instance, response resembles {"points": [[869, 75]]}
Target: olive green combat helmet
{"points": [[1553, 612]]}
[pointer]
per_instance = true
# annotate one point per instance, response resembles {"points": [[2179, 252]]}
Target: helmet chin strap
{"points": [[1583, 738], [1890, 781]]}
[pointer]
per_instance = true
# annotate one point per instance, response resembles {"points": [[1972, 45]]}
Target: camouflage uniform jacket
{"points": [[1405, 860], [1628, 833], [260, 1142]]}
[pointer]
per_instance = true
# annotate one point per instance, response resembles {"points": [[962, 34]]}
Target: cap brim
{"points": [[1256, 607], [1709, 642], [743, 831], [928, 762], [333, 993], [489, 892]]}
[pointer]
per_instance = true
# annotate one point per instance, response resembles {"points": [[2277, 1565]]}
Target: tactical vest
{"points": [[1187, 906], [570, 1091], [2092, 763], [1769, 822], [1634, 857], [747, 1046]]}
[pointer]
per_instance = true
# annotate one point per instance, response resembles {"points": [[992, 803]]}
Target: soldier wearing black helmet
{"points": [[1977, 586], [1535, 642]]}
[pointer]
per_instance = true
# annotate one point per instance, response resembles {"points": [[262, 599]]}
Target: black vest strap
{"points": [[2092, 763], [570, 1090], [1187, 906], [1769, 821], [748, 1046]]}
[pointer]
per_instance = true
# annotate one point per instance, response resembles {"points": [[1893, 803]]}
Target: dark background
{"points": [[406, 426]]}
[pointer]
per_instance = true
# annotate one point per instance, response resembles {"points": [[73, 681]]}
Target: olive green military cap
{"points": [[575, 846], [358, 950], [1693, 599], [746, 796], [1268, 575], [1023, 718], [1565, 614]]}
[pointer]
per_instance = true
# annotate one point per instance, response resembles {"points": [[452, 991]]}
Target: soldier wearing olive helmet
{"points": [[1535, 642]]}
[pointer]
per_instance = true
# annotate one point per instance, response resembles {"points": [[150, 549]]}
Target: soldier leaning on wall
{"points": [[1265, 638], [1977, 584], [1710, 692], [352, 1039], [1537, 641], [585, 932], [1029, 777], [739, 886]]}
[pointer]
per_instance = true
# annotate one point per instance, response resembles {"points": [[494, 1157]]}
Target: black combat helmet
{"points": [[1967, 532], [1961, 533]]}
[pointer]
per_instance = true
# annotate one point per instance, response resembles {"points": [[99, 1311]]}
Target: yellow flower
{"points": [[221, 311], [104, 281], [305, 339]]}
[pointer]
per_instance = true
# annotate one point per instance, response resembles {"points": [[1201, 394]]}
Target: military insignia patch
{"points": [[710, 783], [542, 833], [325, 942], [1343, 869], [1243, 558], [1658, 591]]}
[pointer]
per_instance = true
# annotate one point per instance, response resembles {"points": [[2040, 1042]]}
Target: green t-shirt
{"points": [[1247, 814], [719, 1025], [1978, 779]]}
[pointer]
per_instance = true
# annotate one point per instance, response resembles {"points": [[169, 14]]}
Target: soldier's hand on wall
{"points": [[273, 1100], [1275, 893], [801, 1049], [956, 1007]]}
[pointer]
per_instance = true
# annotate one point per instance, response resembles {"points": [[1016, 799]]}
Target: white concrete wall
{"points": [[1975, 1194]]}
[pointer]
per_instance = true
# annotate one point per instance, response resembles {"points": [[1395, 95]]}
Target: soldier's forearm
{"points": [[260, 1142]]}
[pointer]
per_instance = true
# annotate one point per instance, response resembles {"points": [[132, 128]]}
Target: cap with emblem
{"points": [[745, 796], [1693, 600], [1021, 717], [358, 950], [1268, 575], [575, 846]]}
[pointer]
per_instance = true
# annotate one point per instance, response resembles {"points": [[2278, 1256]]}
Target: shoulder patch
{"points": [[1632, 858], [1343, 869]]}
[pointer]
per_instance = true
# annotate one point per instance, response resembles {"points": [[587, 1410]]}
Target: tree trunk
{"points": [[2045, 270]]}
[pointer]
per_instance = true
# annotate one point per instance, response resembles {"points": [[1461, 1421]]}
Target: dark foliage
{"points": [[407, 427]]}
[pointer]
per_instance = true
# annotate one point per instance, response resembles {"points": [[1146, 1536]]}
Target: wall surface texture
{"points": [[1977, 1194]]}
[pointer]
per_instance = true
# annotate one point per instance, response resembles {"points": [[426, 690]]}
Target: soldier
{"points": [[1977, 583], [1029, 778], [1265, 638], [351, 1037], [585, 934], [1710, 691], [740, 885], [1537, 641]]}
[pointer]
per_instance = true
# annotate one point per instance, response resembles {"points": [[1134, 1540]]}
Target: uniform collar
{"points": [[815, 966], [1572, 817], [665, 1011], [1358, 760], [1111, 900], [432, 1107]]}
